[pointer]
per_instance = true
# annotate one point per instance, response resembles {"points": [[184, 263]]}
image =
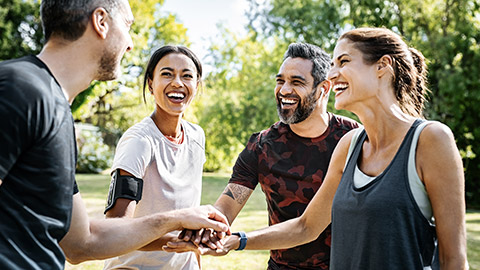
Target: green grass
{"points": [[473, 239], [254, 216]]}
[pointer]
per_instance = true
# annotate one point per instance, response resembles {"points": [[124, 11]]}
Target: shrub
{"points": [[94, 155]]}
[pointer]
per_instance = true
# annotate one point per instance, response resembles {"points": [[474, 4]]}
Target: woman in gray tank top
{"points": [[377, 220]]}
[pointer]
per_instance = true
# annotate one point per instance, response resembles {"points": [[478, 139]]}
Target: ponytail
{"points": [[421, 89]]}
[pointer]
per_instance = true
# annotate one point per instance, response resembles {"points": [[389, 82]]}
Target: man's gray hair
{"points": [[320, 59]]}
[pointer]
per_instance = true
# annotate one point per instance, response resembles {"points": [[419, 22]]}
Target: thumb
{"points": [[218, 220], [172, 244], [218, 226]]}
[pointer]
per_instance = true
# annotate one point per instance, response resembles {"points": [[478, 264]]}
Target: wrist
{"points": [[169, 221], [242, 240]]}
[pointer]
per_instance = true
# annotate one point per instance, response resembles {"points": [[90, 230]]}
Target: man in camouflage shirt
{"points": [[290, 159]]}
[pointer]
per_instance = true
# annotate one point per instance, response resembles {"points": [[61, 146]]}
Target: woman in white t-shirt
{"points": [[159, 161]]}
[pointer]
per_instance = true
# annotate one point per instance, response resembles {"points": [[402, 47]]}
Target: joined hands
{"points": [[204, 242]]}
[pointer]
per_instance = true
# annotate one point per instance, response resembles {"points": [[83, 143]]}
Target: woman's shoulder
{"points": [[140, 131], [436, 132], [193, 129], [144, 126], [192, 126], [435, 143], [350, 137]]}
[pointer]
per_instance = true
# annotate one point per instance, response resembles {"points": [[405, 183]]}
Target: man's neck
{"points": [[69, 65], [312, 127]]}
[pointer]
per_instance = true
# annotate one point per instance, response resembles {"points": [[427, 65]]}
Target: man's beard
{"points": [[108, 66], [302, 112]]}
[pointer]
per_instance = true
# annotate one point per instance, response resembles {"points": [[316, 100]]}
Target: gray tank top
{"points": [[379, 226]]}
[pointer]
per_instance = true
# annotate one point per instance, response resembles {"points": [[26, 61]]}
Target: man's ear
{"points": [[384, 65], [325, 87], [100, 22]]}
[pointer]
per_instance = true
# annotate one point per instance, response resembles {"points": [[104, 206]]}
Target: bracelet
{"points": [[243, 240]]}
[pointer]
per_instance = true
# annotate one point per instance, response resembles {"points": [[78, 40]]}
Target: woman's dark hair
{"points": [[410, 70], [163, 51]]}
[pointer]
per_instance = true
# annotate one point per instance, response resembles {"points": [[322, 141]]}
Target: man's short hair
{"points": [[68, 19], [320, 59]]}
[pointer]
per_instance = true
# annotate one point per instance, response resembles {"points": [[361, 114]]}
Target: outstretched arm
{"points": [[303, 229], [232, 200], [297, 231], [103, 238], [234, 197], [230, 203], [440, 167], [125, 208]]}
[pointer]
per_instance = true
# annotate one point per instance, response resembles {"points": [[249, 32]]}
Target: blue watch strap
{"points": [[243, 240]]}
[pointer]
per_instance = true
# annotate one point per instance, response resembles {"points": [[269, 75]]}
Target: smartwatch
{"points": [[243, 240]]}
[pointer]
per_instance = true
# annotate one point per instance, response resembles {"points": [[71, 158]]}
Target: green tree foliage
{"points": [[239, 96], [314, 21], [446, 31], [20, 28]]}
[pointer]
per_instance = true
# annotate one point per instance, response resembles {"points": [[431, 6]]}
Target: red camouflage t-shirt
{"points": [[290, 169]]}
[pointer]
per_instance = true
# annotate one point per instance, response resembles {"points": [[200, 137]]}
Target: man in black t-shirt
{"points": [[290, 159], [85, 41], [37, 164]]}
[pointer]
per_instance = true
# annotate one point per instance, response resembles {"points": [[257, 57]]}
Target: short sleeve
{"points": [[15, 135], [75, 188], [245, 170], [133, 154]]}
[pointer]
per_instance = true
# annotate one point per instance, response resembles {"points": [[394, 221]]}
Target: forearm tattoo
{"points": [[238, 193]]}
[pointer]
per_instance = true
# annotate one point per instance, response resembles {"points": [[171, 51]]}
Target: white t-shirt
{"points": [[172, 175]]}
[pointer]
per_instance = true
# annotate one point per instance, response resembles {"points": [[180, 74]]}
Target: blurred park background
{"points": [[237, 97]]}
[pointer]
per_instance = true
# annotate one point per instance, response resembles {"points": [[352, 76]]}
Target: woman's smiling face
{"points": [[174, 84], [352, 79]]}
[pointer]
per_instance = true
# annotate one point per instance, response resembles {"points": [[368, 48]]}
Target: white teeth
{"points": [[176, 95], [340, 87], [288, 101]]}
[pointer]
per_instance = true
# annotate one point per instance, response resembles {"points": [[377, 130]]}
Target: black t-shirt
{"points": [[37, 166]]}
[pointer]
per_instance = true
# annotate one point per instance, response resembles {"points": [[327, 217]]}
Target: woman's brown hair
{"points": [[410, 70]]}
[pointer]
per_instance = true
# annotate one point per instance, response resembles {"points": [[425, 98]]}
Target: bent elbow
{"points": [[74, 258], [76, 255], [308, 230]]}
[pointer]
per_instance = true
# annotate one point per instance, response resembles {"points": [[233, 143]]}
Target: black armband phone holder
{"points": [[123, 186]]}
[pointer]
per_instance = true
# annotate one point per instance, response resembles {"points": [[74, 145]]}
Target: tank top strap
{"points": [[353, 143], [360, 136]]}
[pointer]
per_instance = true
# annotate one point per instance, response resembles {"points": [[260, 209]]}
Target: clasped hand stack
{"points": [[204, 242]]}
